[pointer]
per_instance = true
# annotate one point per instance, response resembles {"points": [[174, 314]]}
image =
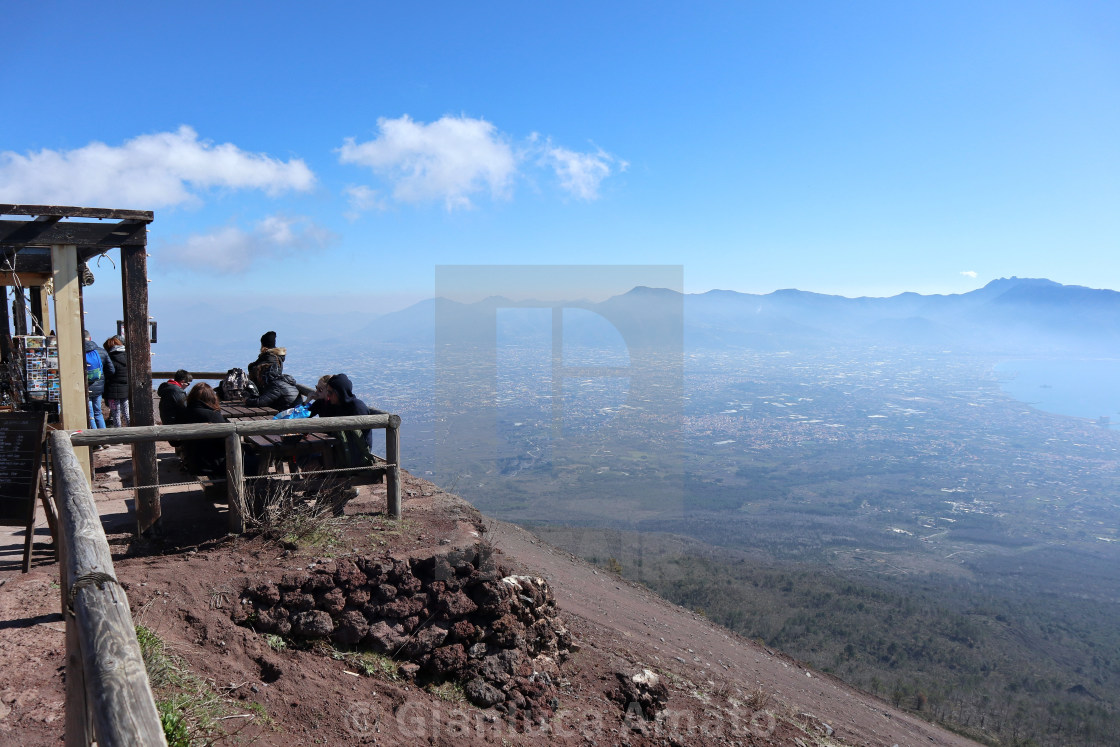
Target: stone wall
{"points": [[458, 616]]}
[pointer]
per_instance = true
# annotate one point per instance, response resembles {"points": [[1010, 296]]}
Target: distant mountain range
{"points": [[1012, 316], [1009, 316]]}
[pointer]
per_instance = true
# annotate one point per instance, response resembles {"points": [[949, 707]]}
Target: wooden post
{"points": [[5, 327], [40, 312], [134, 288], [19, 310], [393, 477], [117, 696], [235, 483], [68, 328]]}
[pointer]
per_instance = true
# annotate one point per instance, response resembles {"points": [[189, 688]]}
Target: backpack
{"points": [[236, 385], [94, 371]]}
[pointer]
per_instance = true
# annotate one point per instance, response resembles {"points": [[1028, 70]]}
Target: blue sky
{"points": [[343, 150]]}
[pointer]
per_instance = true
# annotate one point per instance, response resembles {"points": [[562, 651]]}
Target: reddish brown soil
{"points": [[722, 689]]}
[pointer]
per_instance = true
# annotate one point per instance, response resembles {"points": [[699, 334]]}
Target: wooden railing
{"points": [[232, 433], [108, 697], [200, 375]]}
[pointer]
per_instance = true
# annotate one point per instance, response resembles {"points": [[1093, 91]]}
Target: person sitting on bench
{"points": [[205, 456]]}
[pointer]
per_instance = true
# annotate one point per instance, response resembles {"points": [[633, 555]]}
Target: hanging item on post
{"points": [[85, 273]]}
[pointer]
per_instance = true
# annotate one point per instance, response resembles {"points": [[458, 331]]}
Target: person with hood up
{"points": [[336, 400], [116, 383], [95, 384], [278, 390]]}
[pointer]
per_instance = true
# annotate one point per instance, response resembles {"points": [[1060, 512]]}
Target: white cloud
{"points": [[969, 274], [232, 249], [148, 171], [363, 199], [454, 159], [449, 160], [581, 173]]}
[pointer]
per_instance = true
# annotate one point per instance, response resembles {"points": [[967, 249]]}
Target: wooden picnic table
{"points": [[276, 450]]}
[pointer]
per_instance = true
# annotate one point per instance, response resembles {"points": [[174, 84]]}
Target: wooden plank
{"points": [[68, 330], [20, 233], [393, 477], [23, 279], [134, 292], [135, 434], [64, 211], [117, 694]]}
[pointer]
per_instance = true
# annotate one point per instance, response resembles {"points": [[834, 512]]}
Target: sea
{"points": [[1086, 388]]}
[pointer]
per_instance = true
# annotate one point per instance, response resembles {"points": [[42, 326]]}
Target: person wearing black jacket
{"points": [[338, 400], [173, 397], [205, 456], [116, 383], [278, 390], [269, 356]]}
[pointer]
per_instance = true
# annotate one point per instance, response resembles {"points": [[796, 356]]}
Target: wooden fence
{"points": [[232, 433], [108, 697]]}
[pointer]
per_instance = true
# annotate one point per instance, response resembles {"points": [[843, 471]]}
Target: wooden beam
{"points": [[63, 211], [23, 279], [134, 292], [20, 233], [28, 259], [68, 330]]}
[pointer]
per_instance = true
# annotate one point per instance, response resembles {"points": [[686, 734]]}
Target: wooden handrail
{"points": [[233, 432], [203, 375], [108, 697], [189, 431]]}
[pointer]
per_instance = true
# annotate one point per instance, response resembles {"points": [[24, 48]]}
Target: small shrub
{"points": [[450, 692]]}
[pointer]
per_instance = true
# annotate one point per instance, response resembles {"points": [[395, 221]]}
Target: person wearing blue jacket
{"points": [[95, 386]]}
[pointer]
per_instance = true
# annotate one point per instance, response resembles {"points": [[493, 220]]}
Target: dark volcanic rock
{"points": [[348, 576], [455, 604], [331, 600], [266, 594], [312, 624], [351, 627], [424, 641], [482, 694], [297, 600], [385, 638], [448, 661]]}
